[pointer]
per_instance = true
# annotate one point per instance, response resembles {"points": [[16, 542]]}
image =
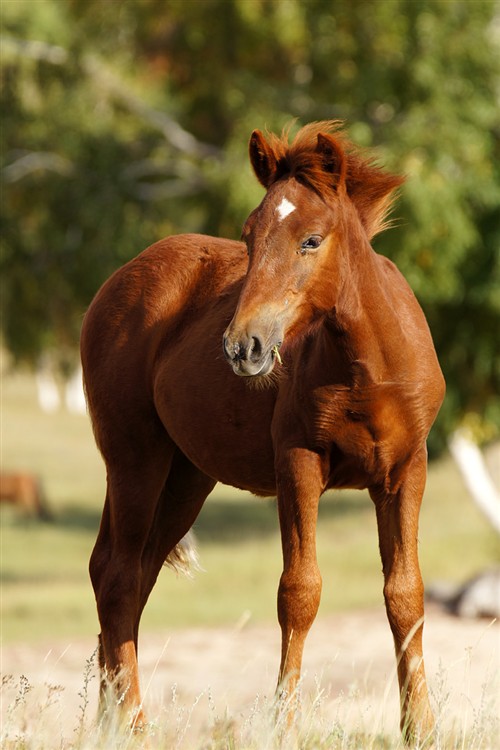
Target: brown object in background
{"points": [[26, 492]]}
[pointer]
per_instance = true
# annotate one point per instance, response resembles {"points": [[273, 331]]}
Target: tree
{"points": [[128, 121]]}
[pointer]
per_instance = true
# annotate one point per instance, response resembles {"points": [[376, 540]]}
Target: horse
{"points": [[24, 491], [327, 377]]}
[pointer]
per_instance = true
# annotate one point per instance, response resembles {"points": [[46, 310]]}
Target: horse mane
{"points": [[370, 187]]}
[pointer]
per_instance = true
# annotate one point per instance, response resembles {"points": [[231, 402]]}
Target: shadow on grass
{"points": [[69, 517], [224, 519], [79, 518]]}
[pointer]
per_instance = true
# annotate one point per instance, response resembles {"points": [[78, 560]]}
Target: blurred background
{"points": [[125, 121]]}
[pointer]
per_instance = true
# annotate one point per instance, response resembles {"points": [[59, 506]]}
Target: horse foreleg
{"points": [[299, 479], [397, 519]]}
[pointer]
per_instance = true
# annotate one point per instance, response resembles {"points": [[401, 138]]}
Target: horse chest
{"points": [[363, 431]]}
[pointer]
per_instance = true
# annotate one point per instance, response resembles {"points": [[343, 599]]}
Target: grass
{"points": [[34, 721], [44, 565]]}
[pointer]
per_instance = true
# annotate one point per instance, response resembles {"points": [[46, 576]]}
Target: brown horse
{"points": [[24, 491], [348, 387]]}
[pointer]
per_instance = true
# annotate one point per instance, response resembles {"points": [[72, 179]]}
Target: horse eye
{"points": [[311, 243]]}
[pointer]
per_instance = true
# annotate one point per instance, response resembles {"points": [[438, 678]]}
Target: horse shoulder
{"points": [[414, 344], [402, 300]]}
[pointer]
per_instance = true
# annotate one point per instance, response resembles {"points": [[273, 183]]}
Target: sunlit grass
{"points": [[36, 718]]}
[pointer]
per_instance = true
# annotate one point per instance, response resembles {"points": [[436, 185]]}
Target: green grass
{"points": [[45, 586]]}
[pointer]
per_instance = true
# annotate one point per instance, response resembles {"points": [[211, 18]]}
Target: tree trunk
{"points": [[478, 480]]}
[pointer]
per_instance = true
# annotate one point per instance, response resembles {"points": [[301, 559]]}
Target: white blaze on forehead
{"points": [[285, 208]]}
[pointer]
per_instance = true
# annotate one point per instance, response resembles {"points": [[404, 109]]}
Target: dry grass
{"points": [[35, 718]]}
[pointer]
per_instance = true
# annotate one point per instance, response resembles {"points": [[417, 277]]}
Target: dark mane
{"points": [[370, 188]]}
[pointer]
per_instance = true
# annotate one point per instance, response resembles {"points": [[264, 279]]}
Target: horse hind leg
{"points": [[170, 541], [133, 492]]}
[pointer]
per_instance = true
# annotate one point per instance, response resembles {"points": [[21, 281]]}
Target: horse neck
{"points": [[363, 318]]}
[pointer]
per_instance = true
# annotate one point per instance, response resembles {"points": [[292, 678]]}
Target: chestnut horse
{"points": [[348, 387], [24, 491]]}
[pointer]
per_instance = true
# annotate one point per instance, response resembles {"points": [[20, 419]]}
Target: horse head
{"points": [[297, 238]]}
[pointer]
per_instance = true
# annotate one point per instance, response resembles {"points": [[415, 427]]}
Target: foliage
{"points": [[128, 121]]}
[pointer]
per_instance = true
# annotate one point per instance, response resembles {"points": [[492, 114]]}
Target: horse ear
{"points": [[262, 158], [333, 159]]}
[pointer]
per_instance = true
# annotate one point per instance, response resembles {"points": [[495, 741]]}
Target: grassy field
{"points": [[45, 587]]}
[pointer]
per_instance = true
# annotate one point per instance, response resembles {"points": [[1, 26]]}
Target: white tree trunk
{"points": [[472, 466], [74, 393], [50, 392], [49, 399]]}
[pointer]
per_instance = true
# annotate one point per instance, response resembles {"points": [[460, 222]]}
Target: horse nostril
{"points": [[255, 349], [248, 349], [233, 351], [240, 352]]}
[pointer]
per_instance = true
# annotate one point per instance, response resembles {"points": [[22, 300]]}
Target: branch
{"points": [[155, 191], [93, 68], [178, 137], [37, 161], [179, 179], [34, 50]]}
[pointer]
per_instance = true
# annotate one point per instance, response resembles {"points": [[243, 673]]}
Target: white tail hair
{"points": [[184, 556]]}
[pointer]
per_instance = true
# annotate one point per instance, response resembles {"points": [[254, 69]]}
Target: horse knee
{"points": [[298, 599], [404, 601]]}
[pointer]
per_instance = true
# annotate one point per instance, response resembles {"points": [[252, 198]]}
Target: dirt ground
{"points": [[206, 674]]}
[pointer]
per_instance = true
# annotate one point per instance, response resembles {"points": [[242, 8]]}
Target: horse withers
{"points": [[327, 378]]}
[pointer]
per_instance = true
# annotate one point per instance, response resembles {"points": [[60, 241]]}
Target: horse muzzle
{"points": [[248, 356]]}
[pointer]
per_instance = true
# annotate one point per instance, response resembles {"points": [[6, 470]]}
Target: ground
{"points": [[198, 676]]}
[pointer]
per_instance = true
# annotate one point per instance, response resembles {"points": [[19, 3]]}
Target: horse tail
{"points": [[184, 556]]}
